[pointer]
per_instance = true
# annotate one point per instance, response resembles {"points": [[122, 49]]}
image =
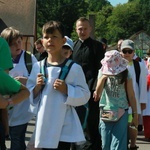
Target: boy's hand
{"points": [[21, 79], [143, 106], [60, 85], [40, 79]]}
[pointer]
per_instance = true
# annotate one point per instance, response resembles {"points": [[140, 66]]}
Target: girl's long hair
{"points": [[124, 75]]}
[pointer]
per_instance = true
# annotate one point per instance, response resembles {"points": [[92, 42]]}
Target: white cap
{"points": [[69, 42]]}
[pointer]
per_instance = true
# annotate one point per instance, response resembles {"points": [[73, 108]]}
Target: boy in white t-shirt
{"points": [[57, 124]]}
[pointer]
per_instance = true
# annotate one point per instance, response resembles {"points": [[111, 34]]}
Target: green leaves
{"points": [[112, 23]]}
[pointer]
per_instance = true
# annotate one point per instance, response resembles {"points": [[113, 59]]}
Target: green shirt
{"points": [[5, 55], [8, 85], [114, 94]]}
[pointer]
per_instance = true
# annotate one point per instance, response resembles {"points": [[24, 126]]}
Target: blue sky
{"points": [[115, 2]]}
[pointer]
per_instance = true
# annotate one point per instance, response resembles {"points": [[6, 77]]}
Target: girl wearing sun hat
{"points": [[110, 89]]}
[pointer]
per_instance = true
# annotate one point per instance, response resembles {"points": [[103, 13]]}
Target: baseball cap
{"points": [[127, 44], [69, 42]]}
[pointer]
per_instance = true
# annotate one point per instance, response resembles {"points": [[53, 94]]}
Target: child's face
{"points": [[66, 52], [16, 46], [39, 48], [127, 55], [53, 42]]}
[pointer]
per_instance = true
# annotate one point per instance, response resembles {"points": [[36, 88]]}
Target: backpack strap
{"points": [[137, 70], [28, 61], [43, 68], [138, 59], [65, 69]]}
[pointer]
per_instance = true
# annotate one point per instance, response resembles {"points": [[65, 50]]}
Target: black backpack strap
{"points": [[65, 69], [137, 70], [28, 61]]}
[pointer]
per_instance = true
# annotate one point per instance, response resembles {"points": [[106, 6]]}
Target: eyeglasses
{"points": [[127, 51]]}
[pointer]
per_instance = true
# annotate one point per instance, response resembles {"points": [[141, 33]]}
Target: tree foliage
{"points": [[101, 21], [66, 11], [111, 22], [97, 5], [123, 22], [144, 8]]}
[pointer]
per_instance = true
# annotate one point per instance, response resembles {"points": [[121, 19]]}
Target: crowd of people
{"points": [[82, 96]]}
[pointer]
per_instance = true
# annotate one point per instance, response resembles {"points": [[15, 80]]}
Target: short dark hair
{"points": [[51, 26], [103, 41]]}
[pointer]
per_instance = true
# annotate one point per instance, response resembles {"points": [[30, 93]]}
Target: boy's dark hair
{"points": [[10, 34], [103, 41], [51, 26]]}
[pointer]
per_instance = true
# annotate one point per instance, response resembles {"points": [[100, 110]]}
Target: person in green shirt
{"points": [[11, 92], [5, 64], [17, 92], [5, 56], [8, 87]]}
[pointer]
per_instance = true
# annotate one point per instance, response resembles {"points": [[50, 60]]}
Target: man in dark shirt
{"points": [[41, 51], [88, 53]]}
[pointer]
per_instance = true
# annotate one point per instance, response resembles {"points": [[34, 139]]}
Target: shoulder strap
{"points": [[137, 70], [65, 69], [43, 70], [28, 61], [42, 67]]}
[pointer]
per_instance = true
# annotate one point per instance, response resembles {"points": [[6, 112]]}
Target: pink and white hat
{"points": [[113, 63]]}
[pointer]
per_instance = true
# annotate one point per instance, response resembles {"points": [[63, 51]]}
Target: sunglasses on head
{"points": [[127, 51]]}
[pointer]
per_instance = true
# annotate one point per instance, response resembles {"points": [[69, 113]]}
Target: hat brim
{"points": [[113, 70], [68, 46], [110, 71], [129, 47]]}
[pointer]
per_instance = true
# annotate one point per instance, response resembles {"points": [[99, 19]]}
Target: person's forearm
{"points": [[20, 96], [99, 89], [133, 105], [100, 85], [3, 102], [36, 90]]}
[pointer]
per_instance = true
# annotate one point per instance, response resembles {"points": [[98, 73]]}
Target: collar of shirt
{"points": [[130, 63], [16, 60], [81, 40]]}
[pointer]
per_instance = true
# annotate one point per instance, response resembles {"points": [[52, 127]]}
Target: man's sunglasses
{"points": [[127, 51]]}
